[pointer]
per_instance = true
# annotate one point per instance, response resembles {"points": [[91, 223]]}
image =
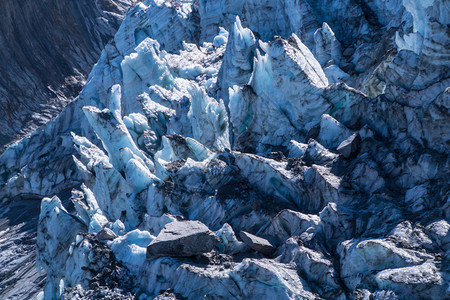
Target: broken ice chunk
{"points": [[221, 39], [332, 133], [228, 239], [297, 149], [130, 248]]}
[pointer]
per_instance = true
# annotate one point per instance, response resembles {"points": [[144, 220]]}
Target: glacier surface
{"points": [[232, 113]]}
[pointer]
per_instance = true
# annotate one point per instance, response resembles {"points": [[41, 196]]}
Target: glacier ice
{"points": [[130, 248], [209, 120], [229, 242], [332, 133], [222, 38], [230, 113], [327, 47]]}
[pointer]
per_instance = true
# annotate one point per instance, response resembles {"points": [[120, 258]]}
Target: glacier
{"points": [[234, 114]]}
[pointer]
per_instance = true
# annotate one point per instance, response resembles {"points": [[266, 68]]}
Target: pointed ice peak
{"points": [[264, 46], [326, 30], [138, 175], [294, 50], [222, 38], [243, 34], [198, 150], [114, 102], [90, 154], [90, 200], [238, 57], [142, 69], [307, 62], [50, 205], [417, 8], [262, 76], [327, 46], [80, 140], [414, 40], [209, 119], [184, 148], [114, 135]]}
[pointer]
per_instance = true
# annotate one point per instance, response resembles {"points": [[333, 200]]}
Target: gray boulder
{"points": [[257, 243], [106, 234], [350, 146], [186, 238]]}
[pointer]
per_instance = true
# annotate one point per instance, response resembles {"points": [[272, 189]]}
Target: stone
{"points": [[187, 238], [350, 146], [257, 243], [106, 234]]}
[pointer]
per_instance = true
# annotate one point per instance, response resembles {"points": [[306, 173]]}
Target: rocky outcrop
{"points": [[257, 243], [182, 239]]}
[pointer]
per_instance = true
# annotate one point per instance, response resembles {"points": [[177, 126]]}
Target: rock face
{"points": [[183, 239], [106, 234], [231, 113], [50, 49], [257, 243]]}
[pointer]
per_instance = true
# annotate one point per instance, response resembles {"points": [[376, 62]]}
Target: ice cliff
{"points": [[288, 149]]}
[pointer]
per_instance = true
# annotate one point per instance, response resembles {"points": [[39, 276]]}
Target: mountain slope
{"points": [[47, 50]]}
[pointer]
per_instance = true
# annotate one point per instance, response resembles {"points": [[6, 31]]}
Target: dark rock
{"points": [[184, 239], [108, 278], [313, 132], [174, 166], [278, 156], [106, 234], [350, 146], [166, 296], [348, 52], [257, 243], [213, 259]]}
